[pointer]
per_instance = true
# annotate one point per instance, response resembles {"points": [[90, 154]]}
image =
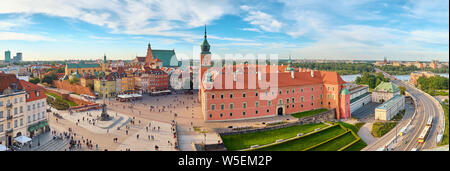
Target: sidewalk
{"points": [[365, 133]]}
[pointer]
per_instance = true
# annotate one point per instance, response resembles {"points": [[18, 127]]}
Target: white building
{"points": [[384, 91], [390, 108], [359, 96], [36, 109]]}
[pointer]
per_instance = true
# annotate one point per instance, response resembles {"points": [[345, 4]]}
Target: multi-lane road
{"points": [[426, 106]]}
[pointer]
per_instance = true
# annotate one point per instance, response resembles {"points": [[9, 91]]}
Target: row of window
{"points": [[256, 93], [244, 105], [29, 107], [256, 111], [269, 103], [8, 125], [15, 101], [16, 111]]}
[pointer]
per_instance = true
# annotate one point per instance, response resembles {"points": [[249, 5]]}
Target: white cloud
{"points": [[430, 37], [252, 29], [23, 36], [151, 17], [262, 20], [432, 10]]}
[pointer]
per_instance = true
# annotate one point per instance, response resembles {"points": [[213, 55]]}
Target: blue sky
{"points": [[307, 29]]}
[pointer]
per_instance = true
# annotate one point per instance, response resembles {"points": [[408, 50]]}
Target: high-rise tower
{"points": [[7, 56]]}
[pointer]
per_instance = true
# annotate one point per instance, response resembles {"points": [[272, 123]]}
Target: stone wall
{"points": [[65, 85], [68, 97], [329, 115]]}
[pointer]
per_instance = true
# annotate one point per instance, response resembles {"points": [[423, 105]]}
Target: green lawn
{"points": [[445, 138], [381, 128], [336, 144], [309, 113], [305, 142], [243, 141], [71, 103], [357, 146]]}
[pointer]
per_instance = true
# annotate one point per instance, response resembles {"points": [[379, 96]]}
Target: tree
{"points": [[402, 90], [49, 78], [35, 80], [61, 70]]}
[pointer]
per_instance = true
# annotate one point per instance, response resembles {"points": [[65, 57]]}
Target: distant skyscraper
{"points": [[7, 56], [18, 57]]}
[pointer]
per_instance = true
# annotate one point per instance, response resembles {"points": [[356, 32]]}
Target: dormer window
{"points": [[28, 95]]}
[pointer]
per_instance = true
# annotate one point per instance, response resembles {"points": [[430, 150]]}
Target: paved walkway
{"points": [[365, 133]]}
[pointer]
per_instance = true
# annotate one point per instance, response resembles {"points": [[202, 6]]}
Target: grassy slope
{"points": [[357, 146], [305, 142], [336, 144], [355, 128], [309, 113], [243, 141], [445, 138], [60, 98]]}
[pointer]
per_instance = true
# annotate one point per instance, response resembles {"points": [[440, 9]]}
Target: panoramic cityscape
{"points": [[146, 75]]}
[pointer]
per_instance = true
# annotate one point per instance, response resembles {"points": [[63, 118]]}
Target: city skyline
{"points": [[56, 30]]}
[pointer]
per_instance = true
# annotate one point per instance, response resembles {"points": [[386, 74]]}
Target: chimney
{"points": [[312, 73], [292, 75]]}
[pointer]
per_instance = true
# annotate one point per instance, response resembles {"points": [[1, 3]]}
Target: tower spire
{"points": [[205, 31]]}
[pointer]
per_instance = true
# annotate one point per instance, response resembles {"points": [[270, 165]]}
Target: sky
{"points": [[305, 29]]}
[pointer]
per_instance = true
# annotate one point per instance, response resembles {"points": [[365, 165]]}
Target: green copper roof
{"points": [[387, 87], [168, 57], [345, 91], [205, 45], [83, 65]]}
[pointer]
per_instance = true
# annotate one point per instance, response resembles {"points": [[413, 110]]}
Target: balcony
{"points": [[9, 117], [10, 105], [9, 130]]}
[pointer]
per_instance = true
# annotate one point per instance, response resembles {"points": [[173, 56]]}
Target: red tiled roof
{"points": [[7, 79], [140, 59], [31, 89], [284, 78]]}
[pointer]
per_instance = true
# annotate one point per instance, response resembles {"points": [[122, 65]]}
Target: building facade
{"points": [[234, 97], [384, 91], [7, 57], [390, 108], [359, 97], [12, 109], [36, 111], [105, 86], [82, 68], [414, 76]]}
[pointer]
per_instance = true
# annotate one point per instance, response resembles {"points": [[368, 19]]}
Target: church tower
{"points": [[149, 57], [104, 64]]}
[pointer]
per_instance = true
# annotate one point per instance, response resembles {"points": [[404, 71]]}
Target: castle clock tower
{"points": [[205, 56]]}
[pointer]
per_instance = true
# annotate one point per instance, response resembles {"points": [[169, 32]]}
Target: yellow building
{"points": [[82, 68], [128, 83], [105, 86]]}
